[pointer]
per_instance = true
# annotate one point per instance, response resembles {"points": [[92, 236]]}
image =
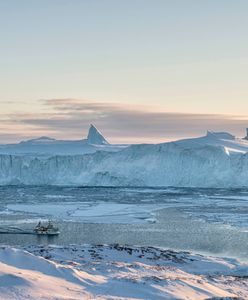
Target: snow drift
{"points": [[117, 272], [216, 160]]}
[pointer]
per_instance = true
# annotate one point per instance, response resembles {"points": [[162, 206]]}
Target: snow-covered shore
{"points": [[117, 272]]}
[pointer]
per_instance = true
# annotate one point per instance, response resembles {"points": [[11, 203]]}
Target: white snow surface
{"points": [[46, 146], [215, 160], [117, 272], [50, 147]]}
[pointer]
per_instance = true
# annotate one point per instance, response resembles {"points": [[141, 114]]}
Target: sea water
{"points": [[209, 221]]}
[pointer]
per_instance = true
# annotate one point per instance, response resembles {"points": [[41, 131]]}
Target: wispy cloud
{"points": [[70, 118]]}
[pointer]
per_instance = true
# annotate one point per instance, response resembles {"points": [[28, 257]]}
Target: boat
{"points": [[46, 229]]}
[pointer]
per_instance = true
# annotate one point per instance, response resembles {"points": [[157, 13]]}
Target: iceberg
{"points": [[47, 146], [95, 137], [215, 160]]}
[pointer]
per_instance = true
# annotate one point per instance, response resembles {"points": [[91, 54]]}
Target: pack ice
{"points": [[218, 159]]}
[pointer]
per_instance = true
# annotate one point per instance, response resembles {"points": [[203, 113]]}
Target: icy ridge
{"points": [[168, 164]]}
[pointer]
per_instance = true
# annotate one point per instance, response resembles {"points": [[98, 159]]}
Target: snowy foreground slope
{"points": [[117, 272], [216, 160]]}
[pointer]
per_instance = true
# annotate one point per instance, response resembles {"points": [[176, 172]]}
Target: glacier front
{"points": [[215, 160]]}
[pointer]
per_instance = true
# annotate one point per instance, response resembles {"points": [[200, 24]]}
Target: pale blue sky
{"points": [[188, 56]]}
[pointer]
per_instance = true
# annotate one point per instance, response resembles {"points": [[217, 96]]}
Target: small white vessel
{"points": [[46, 229]]}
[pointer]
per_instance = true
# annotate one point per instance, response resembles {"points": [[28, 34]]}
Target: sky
{"points": [[140, 70]]}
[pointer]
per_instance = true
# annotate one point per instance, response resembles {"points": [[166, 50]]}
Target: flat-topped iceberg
{"points": [[47, 146], [216, 160]]}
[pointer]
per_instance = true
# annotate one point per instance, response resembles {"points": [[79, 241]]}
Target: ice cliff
{"points": [[216, 160]]}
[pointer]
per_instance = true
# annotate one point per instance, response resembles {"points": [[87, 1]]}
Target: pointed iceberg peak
{"points": [[95, 137]]}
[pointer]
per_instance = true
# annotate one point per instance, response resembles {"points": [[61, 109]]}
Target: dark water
{"points": [[212, 221]]}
